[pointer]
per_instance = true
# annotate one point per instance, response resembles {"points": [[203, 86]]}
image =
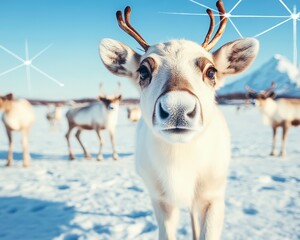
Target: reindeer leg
{"points": [[167, 219], [100, 155], [195, 223], [212, 218], [86, 154], [273, 152], [10, 146], [26, 155], [284, 135], [71, 154], [112, 139]]}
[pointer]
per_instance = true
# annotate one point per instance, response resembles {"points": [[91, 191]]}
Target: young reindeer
{"points": [[277, 113], [96, 116], [183, 142], [134, 113], [54, 114], [18, 116]]}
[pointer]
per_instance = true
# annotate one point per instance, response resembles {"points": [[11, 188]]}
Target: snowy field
{"points": [[85, 199]]}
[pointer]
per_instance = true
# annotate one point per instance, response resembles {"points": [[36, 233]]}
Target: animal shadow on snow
{"points": [[18, 156], [28, 219]]}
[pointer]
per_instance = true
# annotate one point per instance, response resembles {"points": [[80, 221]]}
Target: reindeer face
{"points": [[111, 103], [5, 100], [176, 79], [175, 87]]}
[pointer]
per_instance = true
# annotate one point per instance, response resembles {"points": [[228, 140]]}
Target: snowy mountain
{"points": [[278, 69]]}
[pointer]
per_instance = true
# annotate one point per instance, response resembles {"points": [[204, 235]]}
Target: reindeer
{"points": [[134, 113], [54, 114], [18, 116], [276, 113], [183, 143], [97, 116]]}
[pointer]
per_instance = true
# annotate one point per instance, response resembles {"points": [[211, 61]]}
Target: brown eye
{"points": [[211, 73]]}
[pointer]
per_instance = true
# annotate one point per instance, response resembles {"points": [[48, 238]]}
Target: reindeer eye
{"points": [[211, 73], [145, 76], [144, 73]]}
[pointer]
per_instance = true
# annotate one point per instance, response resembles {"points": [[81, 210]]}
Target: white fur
{"points": [[54, 115], [279, 113], [18, 116], [181, 168], [134, 113], [95, 116]]}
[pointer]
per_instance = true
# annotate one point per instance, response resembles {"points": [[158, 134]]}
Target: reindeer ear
{"points": [[9, 97], [235, 57], [272, 95], [119, 58]]}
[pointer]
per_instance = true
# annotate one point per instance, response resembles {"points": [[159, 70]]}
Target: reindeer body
{"points": [[280, 113], [18, 116], [96, 116], [183, 142]]}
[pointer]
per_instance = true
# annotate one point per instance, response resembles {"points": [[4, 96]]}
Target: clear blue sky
{"points": [[75, 27]]}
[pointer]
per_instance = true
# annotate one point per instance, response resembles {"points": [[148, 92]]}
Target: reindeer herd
{"points": [[183, 142]]}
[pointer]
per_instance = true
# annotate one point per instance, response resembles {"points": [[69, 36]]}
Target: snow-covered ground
{"points": [[85, 199]]}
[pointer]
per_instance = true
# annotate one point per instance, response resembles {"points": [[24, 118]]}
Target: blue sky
{"points": [[76, 27]]}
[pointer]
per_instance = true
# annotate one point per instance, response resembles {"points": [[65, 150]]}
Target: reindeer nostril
{"points": [[162, 113], [192, 113]]}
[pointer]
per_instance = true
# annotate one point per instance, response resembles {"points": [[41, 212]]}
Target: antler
{"points": [[126, 26], [270, 89], [249, 90], [223, 21]]}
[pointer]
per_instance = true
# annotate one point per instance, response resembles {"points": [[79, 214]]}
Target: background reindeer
{"points": [[183, 144], [96, 116], [134, 113], [54, 114], [18, 116], [276, 113]]}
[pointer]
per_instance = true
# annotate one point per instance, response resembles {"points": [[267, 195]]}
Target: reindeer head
{"points": [[177, 79], [261, 97], [111, 102], [5, 101]]}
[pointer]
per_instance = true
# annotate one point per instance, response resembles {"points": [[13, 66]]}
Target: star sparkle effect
{"points": [[27, 63], [293, 16]]}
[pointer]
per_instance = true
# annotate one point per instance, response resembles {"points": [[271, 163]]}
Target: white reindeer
{"points": [[54, 114], [134, 113], [96, 116], [18, 116], [183, 142], [277, 113]]}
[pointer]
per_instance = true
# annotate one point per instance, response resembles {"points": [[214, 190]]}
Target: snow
{"points": [[278, 69], [84, 199]]}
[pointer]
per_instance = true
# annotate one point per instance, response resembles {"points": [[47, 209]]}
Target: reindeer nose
{"points": [[177, 109]]}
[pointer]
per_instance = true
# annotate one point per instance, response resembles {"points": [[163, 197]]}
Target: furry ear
{"points": [[235, 57], [9, 97], [119, 97], [272, 95], [120, 59]]}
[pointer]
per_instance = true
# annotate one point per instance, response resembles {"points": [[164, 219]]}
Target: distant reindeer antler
{"points": [[249, 90], [223, 21], [127, 27], [271, 88]]}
